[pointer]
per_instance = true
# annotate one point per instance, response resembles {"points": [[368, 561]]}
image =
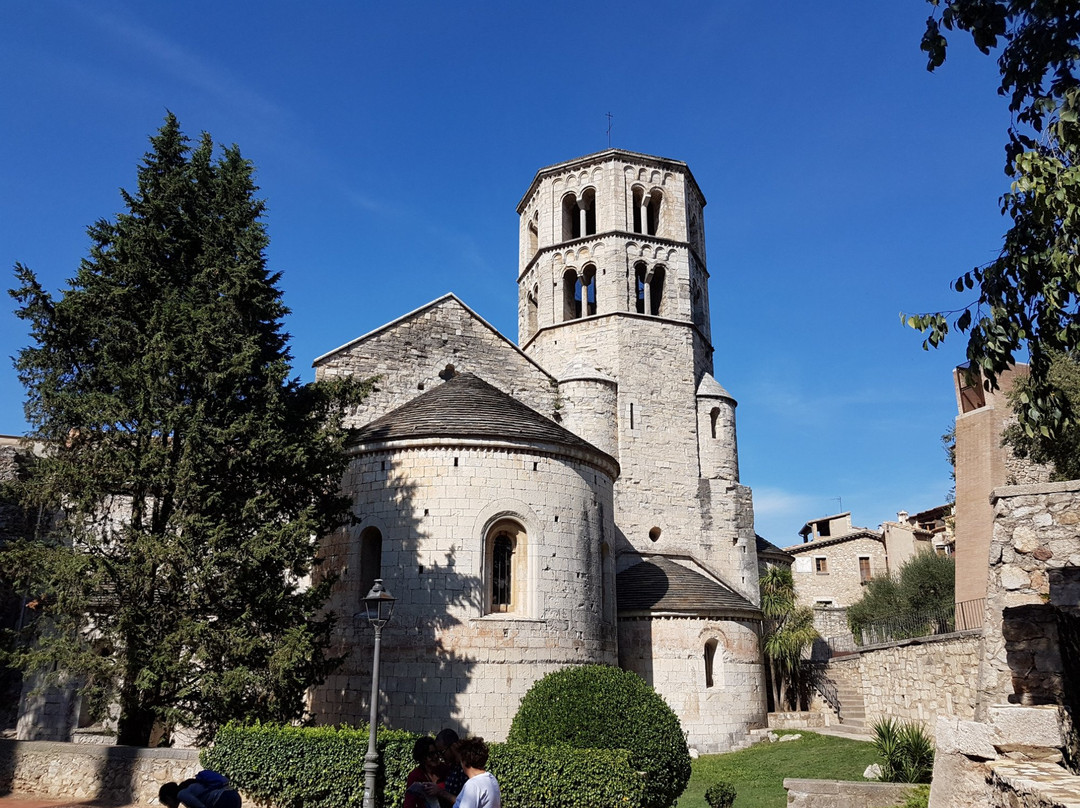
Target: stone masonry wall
{"points": [[409, 354], [668, 653], [915, 680], [108, 775], [1033, 585], [444, 661]]}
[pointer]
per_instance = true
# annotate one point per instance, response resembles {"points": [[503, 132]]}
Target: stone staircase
{"points": [[852, 710]]}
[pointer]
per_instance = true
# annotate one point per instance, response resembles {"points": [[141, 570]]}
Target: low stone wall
{"points": [[843, 794], [914, 680], [118, 775]]}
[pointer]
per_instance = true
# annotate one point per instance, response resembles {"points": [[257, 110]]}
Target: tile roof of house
{"points": [[466, 406], [659, 584], [857, 533]]}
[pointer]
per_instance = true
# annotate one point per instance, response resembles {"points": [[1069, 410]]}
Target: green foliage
{"points": [[906, 750], [310, 767], [915, 601], [1063, 451], [758, 772], [561, 777], [1029, 296], [788, 630], [600, 707], [720, 795], [918, 797], [191, 471]]}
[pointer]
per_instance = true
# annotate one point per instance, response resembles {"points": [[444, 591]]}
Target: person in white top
{"points": [[481, 790]]}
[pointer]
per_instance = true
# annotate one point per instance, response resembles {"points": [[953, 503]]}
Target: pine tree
{"points": [[193, 475]]}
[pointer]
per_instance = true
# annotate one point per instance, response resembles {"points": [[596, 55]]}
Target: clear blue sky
{"points": [[393, 141]]}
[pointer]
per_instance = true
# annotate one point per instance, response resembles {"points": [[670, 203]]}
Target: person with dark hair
{"points": [[453, 777], [481, 790], [422, 785], [207, 789]]}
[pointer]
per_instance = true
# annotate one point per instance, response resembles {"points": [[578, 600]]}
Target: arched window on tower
{"points": [[656, 289], [531, 310], [505, 568], [646, 216], [587, 212], [714, 415], [571, 295], [571, 225], [650, 288], [652, 212], [588, 290], [534, 234], [640, 271], [370, 558]]}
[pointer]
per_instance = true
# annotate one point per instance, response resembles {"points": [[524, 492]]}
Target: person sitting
{"points": [[481, 790], [207, 789], [422, 785]]}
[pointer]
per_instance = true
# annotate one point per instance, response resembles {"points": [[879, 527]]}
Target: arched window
{"points": [[370, 558], [534, 234], [579, 215], [714, 414], [588, 293], [710, 656], [650, 289], [646, 216], [640, 271], [505, 568], [656, 289], [531, 309], [571, 295]]}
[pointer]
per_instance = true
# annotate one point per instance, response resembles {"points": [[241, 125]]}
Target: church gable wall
{"points": [[445, 662], [409, 355]]}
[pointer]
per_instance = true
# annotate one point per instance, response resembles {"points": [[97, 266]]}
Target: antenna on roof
{"points": [[841, 505], [609, 117]]}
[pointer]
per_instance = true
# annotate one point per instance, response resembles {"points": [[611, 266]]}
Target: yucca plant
{"points": [[906, 749]]}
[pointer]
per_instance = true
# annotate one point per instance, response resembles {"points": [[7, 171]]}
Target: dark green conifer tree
{"points": [[192, 475]]}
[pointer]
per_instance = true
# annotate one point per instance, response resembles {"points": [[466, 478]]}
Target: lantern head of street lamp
{"points": [[379, 604]]}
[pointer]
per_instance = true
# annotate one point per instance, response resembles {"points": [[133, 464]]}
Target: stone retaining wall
{"points": [[914, 680], [117, 775], [843, 794]]}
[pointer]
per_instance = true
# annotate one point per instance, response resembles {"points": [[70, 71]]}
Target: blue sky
{"points": [[393, 141]]}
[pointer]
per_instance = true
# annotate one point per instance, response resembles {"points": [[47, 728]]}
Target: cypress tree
{"points": [[191, 475]]}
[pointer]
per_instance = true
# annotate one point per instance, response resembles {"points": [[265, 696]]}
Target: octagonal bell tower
{"points": [[613, 299]]}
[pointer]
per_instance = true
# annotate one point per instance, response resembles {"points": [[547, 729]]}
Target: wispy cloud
{"points": [[185, 66]]}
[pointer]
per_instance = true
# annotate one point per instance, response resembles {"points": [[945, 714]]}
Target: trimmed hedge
{"points": [[559, 777], [310, 767], [602, 707]]}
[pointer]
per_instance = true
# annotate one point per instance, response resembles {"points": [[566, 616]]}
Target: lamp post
{"points": [[380, 606]]}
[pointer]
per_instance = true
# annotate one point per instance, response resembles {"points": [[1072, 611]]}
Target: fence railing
{"points": [[924, 623], [962, 616]]}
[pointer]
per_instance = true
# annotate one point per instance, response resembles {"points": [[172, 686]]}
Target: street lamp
{"points": [[380, 606]]}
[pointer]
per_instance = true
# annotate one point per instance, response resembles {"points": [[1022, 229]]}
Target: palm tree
{"points": [[788, 630]]}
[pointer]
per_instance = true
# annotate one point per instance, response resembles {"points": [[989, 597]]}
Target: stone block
{"points": [[959, 782], [1029, 726], [971, 738]]}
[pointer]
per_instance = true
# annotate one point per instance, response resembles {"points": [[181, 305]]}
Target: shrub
{"points": [[918, 797], [560, 777], [720, 795], [600, 707], [310, 767], [906, 749]]}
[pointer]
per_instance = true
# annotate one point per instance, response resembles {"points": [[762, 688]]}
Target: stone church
{"points": [[572, 498]]}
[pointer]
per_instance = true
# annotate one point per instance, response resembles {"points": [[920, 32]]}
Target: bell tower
{"points": [[612, 233], [613, 300]]}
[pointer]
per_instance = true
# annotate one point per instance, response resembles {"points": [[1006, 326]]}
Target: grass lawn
{"points": [[758, 772]]}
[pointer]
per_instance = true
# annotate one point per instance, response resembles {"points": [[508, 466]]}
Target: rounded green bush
{"points": [[601, 707], [720, 795]]}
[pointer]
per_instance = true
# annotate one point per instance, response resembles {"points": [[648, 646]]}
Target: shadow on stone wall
{"points": [[421, 674]]}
